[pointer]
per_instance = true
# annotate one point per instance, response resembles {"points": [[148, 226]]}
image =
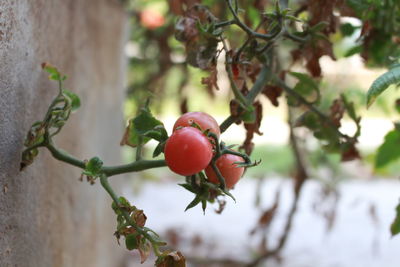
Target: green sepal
{"points": [[75, 101], [194, 202], [159, 149], [93, 167], [188, 187]]}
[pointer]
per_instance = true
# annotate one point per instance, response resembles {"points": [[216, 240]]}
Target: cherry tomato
{"points": [[151, 19], [228, 170], [188, 151], [202, 119]]}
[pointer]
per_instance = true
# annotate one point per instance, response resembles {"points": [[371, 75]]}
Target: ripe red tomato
{"points": [[151, 19], [202, 119], [188, 151], [228, 170]]}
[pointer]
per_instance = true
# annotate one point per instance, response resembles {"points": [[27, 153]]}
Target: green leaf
{"points": [[354, 50], [144, 125], [306, 84], [54, 73], [389, 150], [131, 242], [192, 204], [395, 227], [75, 101], [93, 167], [382, 83], [349, 106], [319, 26], [347, 29]]}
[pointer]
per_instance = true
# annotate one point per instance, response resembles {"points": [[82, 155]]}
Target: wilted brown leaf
{"points": [[350, 152], [211, 81], [272, 92], [252, 71], [172, 259], [311, 52], [267, 215], [140, 218], [252, 128], [324, 11], [337, 110], [144, 250]]}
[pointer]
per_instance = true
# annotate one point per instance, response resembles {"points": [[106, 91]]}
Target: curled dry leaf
{"points": [[211, 81], [324, 11], [171, 259], [140, 218], [252, 128], [273, 92], [267, 215], [350, 152], [311, 53], [144, 250], [337, 110]]}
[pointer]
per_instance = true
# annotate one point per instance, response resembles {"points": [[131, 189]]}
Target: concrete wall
{"points": [[47, 216]]}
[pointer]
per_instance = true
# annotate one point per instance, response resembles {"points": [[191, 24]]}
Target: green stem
{"points": [[257, 88], [106, 185], [245, 28], [227, 123], [259, 84], [224, 23], [136, 166], [238, 95], [64, 156]]}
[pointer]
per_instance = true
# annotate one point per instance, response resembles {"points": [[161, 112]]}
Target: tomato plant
{"points": [[202, 119], [188, 151], [228, 168]]}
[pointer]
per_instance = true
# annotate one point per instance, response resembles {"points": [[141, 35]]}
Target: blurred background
{"points": [[343, 215]]}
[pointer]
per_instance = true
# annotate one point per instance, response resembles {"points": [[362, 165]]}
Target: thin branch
{"points": [[299, 179], [324, 118], [246, 28], [136, 166], [257, 88], [64, 156]]}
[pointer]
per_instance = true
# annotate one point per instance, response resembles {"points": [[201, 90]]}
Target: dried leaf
{"points": [[252, 128], [324, 11], [140, 218], [273, 92], [171, 259], [350, 152], [144, 250], [267, 216], [211, 81], [336, 112]]}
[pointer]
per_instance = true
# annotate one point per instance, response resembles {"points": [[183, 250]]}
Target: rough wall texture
{"points": [[48, 217]]}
